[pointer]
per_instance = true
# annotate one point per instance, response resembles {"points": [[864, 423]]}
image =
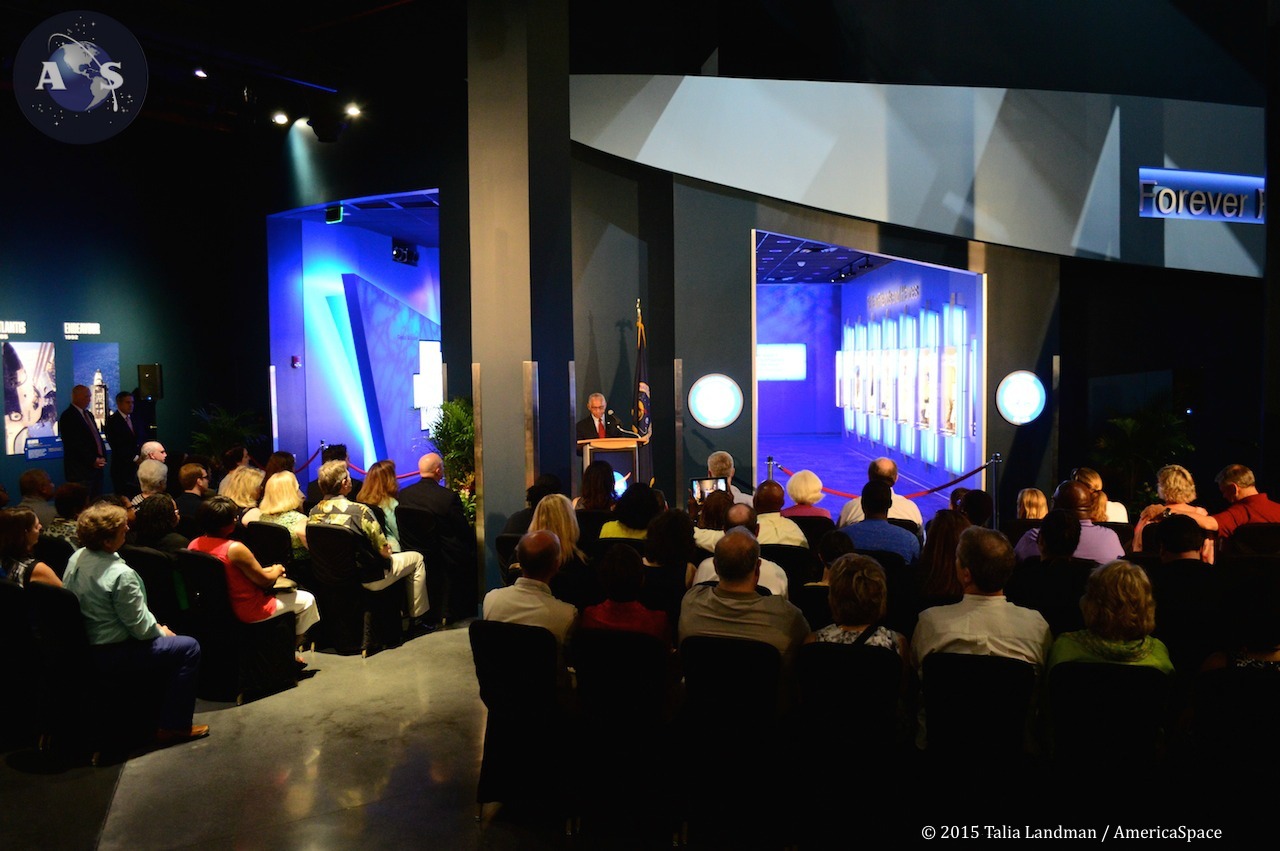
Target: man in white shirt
{"points": [[742, 518], [774, 528], [529, 600], [902, 508]]}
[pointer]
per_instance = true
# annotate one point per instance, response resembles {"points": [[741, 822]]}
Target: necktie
{"points": [[599, 428], [93, 429]]}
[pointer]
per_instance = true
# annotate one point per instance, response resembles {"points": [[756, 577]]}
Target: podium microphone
{"points": [[614, 420]]}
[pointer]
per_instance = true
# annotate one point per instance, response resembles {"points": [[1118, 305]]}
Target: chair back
{"points": [[506, 547], [812, 601], [858, 684], [910, 525], [801, 564], [589, 523], [54, 552], [417, 528], [732, 680], [597, 548], [159, 573], [1234, 706], [976, 704], [893, 563], [1255, 539], [814, 527], [354, 619], [18, 665], [1124, 531], [270, 543], [1100, 712], [1015, 528], [342, 557], [621, 676], [211, 621]]}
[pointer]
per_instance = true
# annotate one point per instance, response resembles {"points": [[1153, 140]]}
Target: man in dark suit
{"points": [[452, 533], [601, 423], [332, 452], [123, 439], [84, 455]]}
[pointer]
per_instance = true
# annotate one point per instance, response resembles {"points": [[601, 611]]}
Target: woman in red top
{"points": [[622, 574], [249, 583]]}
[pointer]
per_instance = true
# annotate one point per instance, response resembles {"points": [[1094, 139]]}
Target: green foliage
{"points": [[1132, 448], [454, 434], [223, 429]]}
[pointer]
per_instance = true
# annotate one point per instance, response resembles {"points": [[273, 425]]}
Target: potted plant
{"points": [[454, 434]]}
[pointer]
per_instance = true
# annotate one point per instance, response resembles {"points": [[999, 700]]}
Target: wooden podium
{"points": [[621, 453]]}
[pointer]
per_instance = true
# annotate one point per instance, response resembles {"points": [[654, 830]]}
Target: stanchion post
{"points": [[996, 461], [771, 464]]}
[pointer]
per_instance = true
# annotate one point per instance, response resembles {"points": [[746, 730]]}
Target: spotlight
{"points": [[280, 118], [404, 252], [199, 72], [352, 110]]}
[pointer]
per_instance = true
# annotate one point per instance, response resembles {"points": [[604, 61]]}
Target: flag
{"points": [[640, 415]]}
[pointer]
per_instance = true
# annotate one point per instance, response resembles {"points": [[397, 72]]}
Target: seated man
{"points": [[1245, 504], [774, 528], [874, 531], [36, 488], [984, 623], [732, 609], [720, 464], [332, 452], [901, 508], [335, 509], [529, 600], [1097, 543], [194, 479], [743, 518]]}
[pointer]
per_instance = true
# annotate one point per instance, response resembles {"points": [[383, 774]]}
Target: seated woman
{"points": [[279, 462], [249, 584], [19, 532], [68, 500], [157, 525], [1103, 510], [598, 492], [622, 576], [1119, 615], [636, 507], [281, 501], [241, 486], [1032, 504], [668, 562], [122, 630], [859, 599], [1174, 486], [811, 597], [379, 490], [805, 490], [574, 582]]}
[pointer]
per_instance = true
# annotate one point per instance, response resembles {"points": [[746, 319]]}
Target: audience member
{"points": [[900, 508], [720, 465], [859, 599], [69, 500], [249, 584], [1174, 486], [124, 634], [1097, 543], [153, 478], [194, 479], [544, 485], [36, 489], [743, 518], [939, 582], [668, 562], [774, 528], [1052, 581], [529, 600], [733, 609], [233, 458], [978, 506], [622, 577], [805, 489], [598, 492], [278, 462], [1102, 509], [1119, 615], [1190, 595], [379, 491], [636, 507], [712, 519], [282, 504], [157, 525], [983, 623], [811, 597], [873, 531], [337, 510], [1032, 504], [242, 486], [332, 452], [19, 532], [453, 534], [574, 581]]}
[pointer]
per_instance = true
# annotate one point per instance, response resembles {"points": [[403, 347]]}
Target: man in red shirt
{"points": [[1237, 485]]}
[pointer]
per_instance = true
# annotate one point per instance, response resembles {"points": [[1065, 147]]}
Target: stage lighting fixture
{"points": [[333, 214], [404, 252], [352, 110], [280, 118], [199, 72]]}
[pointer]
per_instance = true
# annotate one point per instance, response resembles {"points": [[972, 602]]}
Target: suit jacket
{"points": [[457, 541], [587, 430], [79, 447], [124, 449]]}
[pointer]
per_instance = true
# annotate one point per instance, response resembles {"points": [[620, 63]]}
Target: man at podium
{"points": [[601, 423]]}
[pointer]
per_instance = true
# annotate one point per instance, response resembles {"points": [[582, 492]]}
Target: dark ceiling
{"points": [[782, 259]]}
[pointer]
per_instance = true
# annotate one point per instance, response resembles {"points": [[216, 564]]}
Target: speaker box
{"points": [[150, 381]]}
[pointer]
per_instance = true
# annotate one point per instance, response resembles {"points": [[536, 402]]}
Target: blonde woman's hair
{"points": [[554, 513], [805, 488], [1118, 604], [241, 486], [281, 494], [1032, 504], [1174, 484], [99, 523]]}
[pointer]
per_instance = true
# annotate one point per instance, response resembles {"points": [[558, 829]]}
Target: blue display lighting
{"points": [[1171, 194]]}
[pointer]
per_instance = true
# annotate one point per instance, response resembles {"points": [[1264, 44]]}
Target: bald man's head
{"points": [[539, 554], [743, 515], [431, 466]]}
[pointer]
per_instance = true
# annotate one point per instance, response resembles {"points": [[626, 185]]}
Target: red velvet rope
{"points": [[350, 466], [307, 463], [915, 495]]}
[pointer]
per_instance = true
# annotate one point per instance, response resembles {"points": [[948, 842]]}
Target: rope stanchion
{"points": [[411, 475], [307, 463], [915, 495]]}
